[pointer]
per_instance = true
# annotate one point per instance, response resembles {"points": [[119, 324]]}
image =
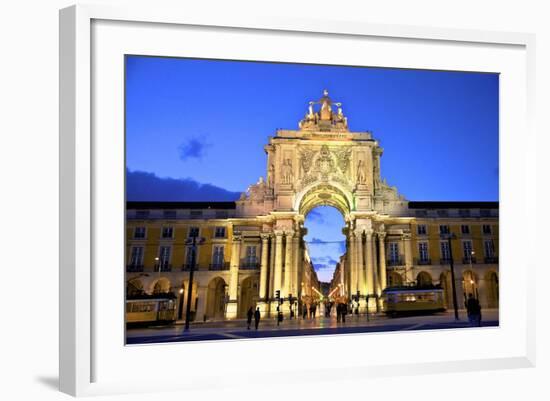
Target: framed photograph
{"points": [[248, 186]]}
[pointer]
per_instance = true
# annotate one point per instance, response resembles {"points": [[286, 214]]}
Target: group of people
{"points": [[472, 304], [312, 311], [253, 313]]}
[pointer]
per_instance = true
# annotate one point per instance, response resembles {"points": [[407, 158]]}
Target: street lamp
{"points": [[450, 237], [472, 253], [180, 307], [193, 242]]}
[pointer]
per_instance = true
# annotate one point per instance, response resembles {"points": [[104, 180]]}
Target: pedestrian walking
{"points": [[338, 312], [257, 317], [304, 311], [249, 315], [344, 312], [473, 309]]}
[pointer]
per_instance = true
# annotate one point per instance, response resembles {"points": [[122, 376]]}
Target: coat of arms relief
{"points": [[325, 164]]}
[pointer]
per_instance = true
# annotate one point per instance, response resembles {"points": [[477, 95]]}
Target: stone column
{"points": [[263, 268], [234, 276], [382, 252], [482, 289], [408, 257], [375, 275], [295, 282], [352, 265], [278, 261], [360, 267], [288, 264], [201, 304], [370, 267]]}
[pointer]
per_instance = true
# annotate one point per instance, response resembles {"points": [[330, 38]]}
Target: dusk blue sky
{"points": [[195, 129]]}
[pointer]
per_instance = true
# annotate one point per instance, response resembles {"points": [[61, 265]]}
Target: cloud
{"points": [[324, 260], [315, 215], [324, 273], [193, 148], [144, 186]]}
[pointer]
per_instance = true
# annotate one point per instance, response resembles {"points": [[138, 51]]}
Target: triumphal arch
{"points": [[324, 163], [254, 248]]}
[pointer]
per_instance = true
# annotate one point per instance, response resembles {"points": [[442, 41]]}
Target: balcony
{"points": [[467, 261], [249, 264], [491, 259], [134, 268], [444, 261], [395, 262], [422, 261], [165, 267], [218, 266]]}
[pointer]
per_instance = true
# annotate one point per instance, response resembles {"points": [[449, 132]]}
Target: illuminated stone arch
{"points": [[160, 286], [324, 194], [470, 284], [216, 298], [394, 279], [423, 278], [492, 288], [134, 287], [248, 296]]}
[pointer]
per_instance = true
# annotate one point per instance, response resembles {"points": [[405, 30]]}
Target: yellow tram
{"points": [[151, 309], [413, 300]]}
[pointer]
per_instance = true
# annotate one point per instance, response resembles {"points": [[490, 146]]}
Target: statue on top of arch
{"points": [[325, 119]]}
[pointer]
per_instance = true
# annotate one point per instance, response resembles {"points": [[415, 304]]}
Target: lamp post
{"points": [[157, 265], [472, 282], [193, 242], [451, 263], [180, 306]]}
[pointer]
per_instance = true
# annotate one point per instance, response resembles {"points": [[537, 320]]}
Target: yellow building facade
{"points": [[253, 249]]}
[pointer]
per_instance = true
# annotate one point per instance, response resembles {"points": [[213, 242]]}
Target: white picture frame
{"points": [[80, 340]]}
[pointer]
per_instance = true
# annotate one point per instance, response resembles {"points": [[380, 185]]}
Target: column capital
{"points": [[381, 235], [289, 233], [406, 236], [278, 233], [368, 233], [236, 237], [265, 236], [359, 232]]}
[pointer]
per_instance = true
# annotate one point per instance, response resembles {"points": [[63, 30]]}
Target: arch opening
{"points": [[324, 195], [161, 286], [216, 298], [491, 280], [249, 295], [326, 245]]}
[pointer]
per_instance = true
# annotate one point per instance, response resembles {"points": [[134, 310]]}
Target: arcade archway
{"points": [[215, 299], [249, 295], [491, 281]]}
